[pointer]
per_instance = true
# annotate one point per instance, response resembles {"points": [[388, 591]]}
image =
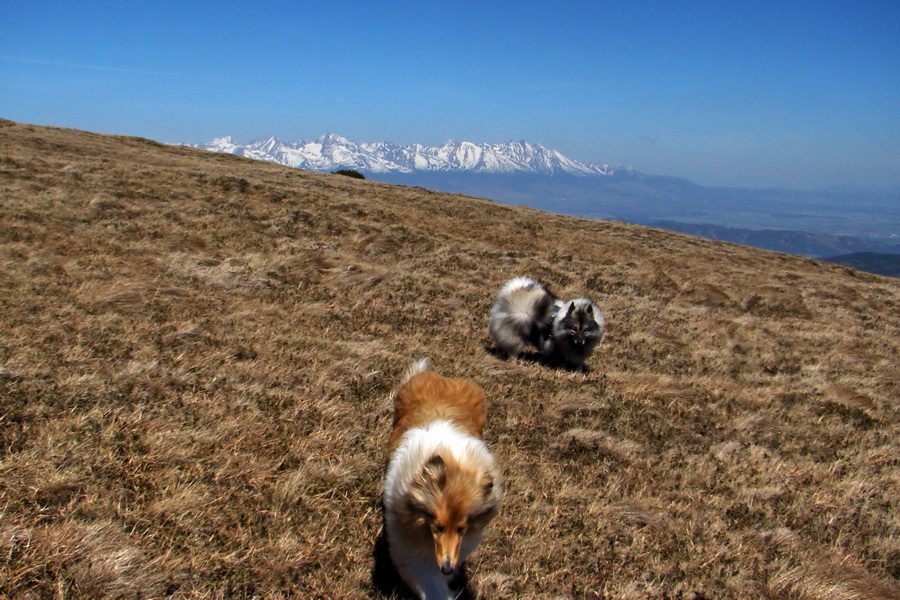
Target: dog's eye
{"points": [[439, 528], [460, 530]]}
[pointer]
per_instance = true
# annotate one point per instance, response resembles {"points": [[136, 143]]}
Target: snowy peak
{"points": [[331, 151]]}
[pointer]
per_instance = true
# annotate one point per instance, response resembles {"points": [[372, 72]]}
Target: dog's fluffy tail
{"points": [[516, 304], [518, 283], [419, 366]]}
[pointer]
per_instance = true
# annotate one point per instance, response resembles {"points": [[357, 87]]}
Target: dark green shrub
{"points": [[350, 173]]}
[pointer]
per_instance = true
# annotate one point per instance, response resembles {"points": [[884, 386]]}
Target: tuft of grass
{"points": [[199, 350]]}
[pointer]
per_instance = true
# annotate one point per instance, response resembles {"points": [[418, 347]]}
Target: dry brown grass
{"points": [[197, 353]]}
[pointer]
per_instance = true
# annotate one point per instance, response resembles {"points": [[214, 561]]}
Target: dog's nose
{"points": [[447, 568]]}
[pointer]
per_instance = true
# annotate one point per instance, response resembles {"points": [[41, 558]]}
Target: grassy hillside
{"points": [[197, 353]]}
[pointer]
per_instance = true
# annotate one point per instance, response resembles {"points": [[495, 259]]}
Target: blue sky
{"points": [[753, 94]]}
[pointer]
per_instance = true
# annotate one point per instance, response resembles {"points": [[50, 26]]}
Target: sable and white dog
{"points": [[442, 485], [526, 312]]}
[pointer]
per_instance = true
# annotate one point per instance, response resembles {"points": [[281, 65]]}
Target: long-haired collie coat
{"points": [[442, 485]]}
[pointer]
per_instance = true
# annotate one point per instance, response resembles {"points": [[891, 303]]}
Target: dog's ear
{"points": [[434, 472], [571, 309], [487, 485], [590, 309], [429, 480]]}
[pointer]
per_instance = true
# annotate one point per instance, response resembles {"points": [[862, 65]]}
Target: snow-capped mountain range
{"points": [[331, 152]]}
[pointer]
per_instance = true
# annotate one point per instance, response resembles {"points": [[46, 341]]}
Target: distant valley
{"points": [[863, 254], [870, 262], [793, 242]]}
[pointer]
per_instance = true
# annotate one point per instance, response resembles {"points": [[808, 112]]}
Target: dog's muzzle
{"points": [[447, 568]]}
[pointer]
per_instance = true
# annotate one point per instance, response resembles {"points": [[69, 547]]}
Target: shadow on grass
{"points": [[535, 358]]}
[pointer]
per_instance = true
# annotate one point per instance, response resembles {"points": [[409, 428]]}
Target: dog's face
{"points": [[581, 328], [447, 502]]}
